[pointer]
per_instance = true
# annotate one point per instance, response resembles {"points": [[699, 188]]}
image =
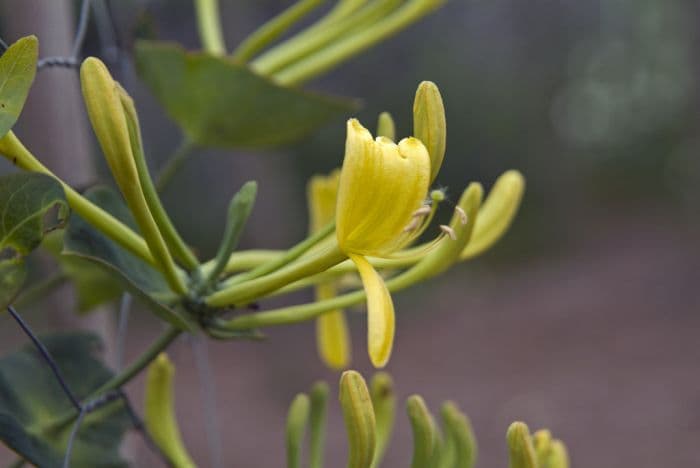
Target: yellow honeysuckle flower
{"points": [[332, 336], [382, 186]]}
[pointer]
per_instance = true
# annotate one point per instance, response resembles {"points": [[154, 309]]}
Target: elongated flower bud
{"points": [[520, 448], [359, 418], [108, 118], [424, 431], [384, 404], [159, 415], [459, 429], [429, 124], [386, 127], [496, 214], [297, 418]]}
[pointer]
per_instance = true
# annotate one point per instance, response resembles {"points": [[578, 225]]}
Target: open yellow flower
{"points": [[382, 186], [332, 336]]}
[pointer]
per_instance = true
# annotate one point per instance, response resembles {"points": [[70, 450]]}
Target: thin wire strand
{"points": [[71, 439], [73, 60], [46, 355], [206, 381], [82, 28]]}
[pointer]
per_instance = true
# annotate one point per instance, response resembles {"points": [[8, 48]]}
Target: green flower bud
{"points": [[459, 429], [520, 448], [359, 418], [384, 404], [425, 434], [297, 418]]}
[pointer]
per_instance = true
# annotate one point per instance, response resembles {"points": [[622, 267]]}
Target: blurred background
{"points": [[583, 319]]}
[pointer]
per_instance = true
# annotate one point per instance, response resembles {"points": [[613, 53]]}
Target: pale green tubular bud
{"points": [[359, 419], [429, 124], [384, 404], [109, 122], [386, 126], [425, 434], [159, 412], [497, 213], [459, 429], [542, 441], [558, 456], [297, 419], [319, 403], [520, 448]]}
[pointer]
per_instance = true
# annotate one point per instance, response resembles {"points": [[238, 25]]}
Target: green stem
{"points": [[209, 26], [284, 259], [127, 374], [338, 52], [137, 366], [274, 28], [171, 237], [248, 291], [304, 312], [174, 164], [15, 151], [285, 52]]}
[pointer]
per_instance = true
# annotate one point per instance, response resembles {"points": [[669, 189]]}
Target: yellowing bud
{"points": [[358, 414], [159, 412], [520, 448], [429, 124], [496, 214], [107, 108], [106, 114]]}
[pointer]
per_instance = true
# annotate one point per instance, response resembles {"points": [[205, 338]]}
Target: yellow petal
{"points": [[381, 185], [321, 194], [333, 339], [380, 313], [332, 336]]}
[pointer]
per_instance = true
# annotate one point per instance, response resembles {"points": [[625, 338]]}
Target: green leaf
{"points": [[220, 102], [25, 200], [83, 242], [31, 400], [12, 275], [17, 70]]}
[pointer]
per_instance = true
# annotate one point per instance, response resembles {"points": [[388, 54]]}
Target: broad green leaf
{"points": [[93, 286], [220, 102], [17, 70], [83, 242], [25, 201], [31, 400]]}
